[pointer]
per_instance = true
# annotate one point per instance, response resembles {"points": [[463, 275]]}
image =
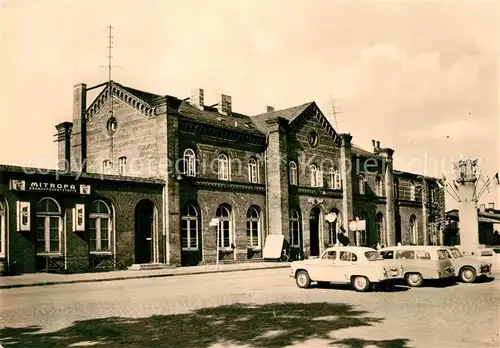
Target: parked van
{"points": [[421, 262]]}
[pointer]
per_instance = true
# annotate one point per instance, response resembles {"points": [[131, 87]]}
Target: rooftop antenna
{"points": [[335, 112]]}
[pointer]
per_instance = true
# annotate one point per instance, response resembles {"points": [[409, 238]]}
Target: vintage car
{"points": [[421, 262], [468, 268], [359, 266], [483, 254]]}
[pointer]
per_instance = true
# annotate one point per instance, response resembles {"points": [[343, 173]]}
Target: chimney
{"points": [[482, 208], [197, 99], [373, 144], [63, 140], [378, 145], [224, 106], [491, 206], [79, 132], [270, 109]]}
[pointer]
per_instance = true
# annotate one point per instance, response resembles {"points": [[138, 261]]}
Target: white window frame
{"points": [[292, 172], [189, 162], [319, 175], [98, 217], [122, 165], [190, 219], [46, 229], [362, 184], [335, 179], [250, 230], [378, 185], [106, 167], [253, 170], [222, 220], [412, 191], [314, 175], [413, 230], [294, 219], [224, 167], [3, 235]]}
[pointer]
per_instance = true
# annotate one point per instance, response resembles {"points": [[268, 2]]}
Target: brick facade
{"points": [[184, 144]]}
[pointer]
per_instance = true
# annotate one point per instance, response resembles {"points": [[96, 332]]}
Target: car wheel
{"points": [[302, 279], [414, 279], [468, 274], [360, 283]]}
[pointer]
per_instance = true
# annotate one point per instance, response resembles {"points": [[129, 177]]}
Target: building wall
{"points": [[138, 137]]}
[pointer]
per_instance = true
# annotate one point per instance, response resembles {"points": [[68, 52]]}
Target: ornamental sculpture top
{"points": [[466, 171]]}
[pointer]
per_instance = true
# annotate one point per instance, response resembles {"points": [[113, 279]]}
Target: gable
{"points": [[313, 112], [142, 102]]}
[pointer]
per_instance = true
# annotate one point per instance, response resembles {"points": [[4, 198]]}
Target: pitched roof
{"points": [[289, 114], [211, 116]]}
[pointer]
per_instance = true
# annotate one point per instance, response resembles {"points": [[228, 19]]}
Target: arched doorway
{"points": [[144, 231], [314, 222]]}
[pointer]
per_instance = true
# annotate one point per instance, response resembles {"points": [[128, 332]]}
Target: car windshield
{"points": [[373, 255], [455, 253]]}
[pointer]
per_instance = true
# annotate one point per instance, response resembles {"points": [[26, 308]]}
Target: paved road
{"points": [[247, 309]]}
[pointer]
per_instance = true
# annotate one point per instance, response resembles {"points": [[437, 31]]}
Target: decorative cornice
{"points": [[124, 96], [196, 128], [318, 191], [222, 185]]}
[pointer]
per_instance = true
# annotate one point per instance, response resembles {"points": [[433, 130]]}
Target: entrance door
{"points": [[144, 232], [314, 232]]}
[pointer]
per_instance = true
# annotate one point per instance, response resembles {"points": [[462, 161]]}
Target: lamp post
{"points": [[215, 223]]}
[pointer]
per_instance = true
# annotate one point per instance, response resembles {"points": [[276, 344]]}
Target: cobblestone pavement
{"points": [[261, 308]]}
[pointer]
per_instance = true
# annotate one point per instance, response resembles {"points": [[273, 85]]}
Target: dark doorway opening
{"points": [[314, 232], [398, 229], [144, 228]]}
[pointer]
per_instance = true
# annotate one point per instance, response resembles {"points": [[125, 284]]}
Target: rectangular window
{"points": [[189, 234], [40, 232], [104, 234], [106, 167], [338, 181], [93, 234], [405, 254], [224, 234], [332, 232], [253, 233], [294, 234], [54, 234]]}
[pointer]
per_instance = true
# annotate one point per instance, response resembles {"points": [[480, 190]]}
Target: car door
{"points": [[346, 263], [326, 270]]}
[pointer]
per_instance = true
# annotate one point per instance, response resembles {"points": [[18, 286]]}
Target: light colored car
{"points": [[421, 262], [359, 266], [488, 255], [468, 268]]}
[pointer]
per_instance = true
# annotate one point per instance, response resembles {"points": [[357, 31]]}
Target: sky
{"points": [[420, 77]]}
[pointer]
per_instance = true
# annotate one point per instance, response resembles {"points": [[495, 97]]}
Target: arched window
{"points": [[362, 184], [2, 228], [334, 227], [225, 229], [294, 228], [106, 167], [122, 165], [253, 170], [224, 167], [48, 226], [189, 163], [380, 228], [314, 175], [335, 179], [293, 173], [412, 191], [253, 227], [378, 186], [100, 226], [189, 227], [413, 230]]}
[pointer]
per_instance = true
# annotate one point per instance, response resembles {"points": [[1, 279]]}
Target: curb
{"points": [[96, 280]]}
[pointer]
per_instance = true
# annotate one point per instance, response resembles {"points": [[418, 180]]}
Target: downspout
{"points": [[266, 172], [166, 224]]}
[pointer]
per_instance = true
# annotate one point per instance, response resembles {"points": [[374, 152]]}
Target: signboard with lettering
{"points": [[43, 186]]}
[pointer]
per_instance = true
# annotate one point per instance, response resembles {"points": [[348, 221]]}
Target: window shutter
{"points": [[79, 217], [23, 216]]}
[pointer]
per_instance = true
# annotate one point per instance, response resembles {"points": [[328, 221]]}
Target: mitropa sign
{"points": [[43, 186]]}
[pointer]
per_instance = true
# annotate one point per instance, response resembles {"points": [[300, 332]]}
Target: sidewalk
{"points": [[40, 279]]}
